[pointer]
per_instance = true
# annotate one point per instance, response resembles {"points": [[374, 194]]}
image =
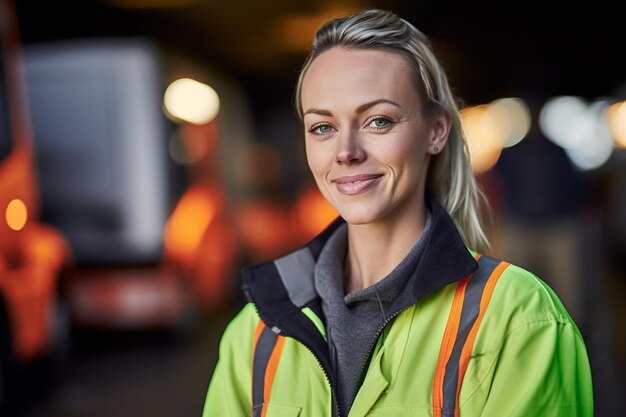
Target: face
{"points": [[368, 143]]}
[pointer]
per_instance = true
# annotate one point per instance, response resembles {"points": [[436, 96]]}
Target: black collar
{"points": [[445, 260]]}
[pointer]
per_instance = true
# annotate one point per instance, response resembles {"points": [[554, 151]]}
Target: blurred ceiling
{"points": [[491, 48]]}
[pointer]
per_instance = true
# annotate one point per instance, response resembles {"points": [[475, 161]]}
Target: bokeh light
{"points": [[16, 214], [579, 128], [312, 212], [616, 116], [513, 116], [484, 137], [561, 119], [191, 101]]}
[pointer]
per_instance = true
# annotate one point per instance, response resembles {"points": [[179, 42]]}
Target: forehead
{"points": [[357, 75]]}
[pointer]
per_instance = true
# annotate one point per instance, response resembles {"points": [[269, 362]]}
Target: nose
{"points": [[350, 149]]}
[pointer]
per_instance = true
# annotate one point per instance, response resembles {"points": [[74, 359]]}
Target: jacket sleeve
{"points": [[229, 392], [541, 369]]}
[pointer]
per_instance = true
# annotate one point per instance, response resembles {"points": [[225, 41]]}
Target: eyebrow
{"points": [[359, 109]]}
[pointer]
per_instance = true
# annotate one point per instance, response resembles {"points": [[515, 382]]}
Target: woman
{"points": [[387, 312]]}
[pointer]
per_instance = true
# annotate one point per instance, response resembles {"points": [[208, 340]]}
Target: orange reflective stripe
{"points": [[270, 372], [268, 347], [257, 334], [469, 344], [449, 337], [470, 302]]}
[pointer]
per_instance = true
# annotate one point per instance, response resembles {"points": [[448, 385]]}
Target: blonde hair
{"points": [[450, 176]]}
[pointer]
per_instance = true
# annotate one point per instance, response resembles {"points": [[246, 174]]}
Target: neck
{"points": [[375, 249]]}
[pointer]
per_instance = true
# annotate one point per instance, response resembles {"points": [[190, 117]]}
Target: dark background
{"points": [[491, 49]]}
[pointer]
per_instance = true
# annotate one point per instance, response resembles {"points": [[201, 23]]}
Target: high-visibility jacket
{"points": [[483, 338]]}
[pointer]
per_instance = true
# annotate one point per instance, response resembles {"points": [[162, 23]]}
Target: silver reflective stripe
{"points": [[262, 353], [296, 272], [469, 314]]}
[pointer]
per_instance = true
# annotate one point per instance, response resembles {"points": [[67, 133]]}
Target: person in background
{"points": [[396, 308], [542, 215]]}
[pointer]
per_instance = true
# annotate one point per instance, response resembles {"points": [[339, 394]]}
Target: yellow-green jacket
{"points": [[483, 338]]}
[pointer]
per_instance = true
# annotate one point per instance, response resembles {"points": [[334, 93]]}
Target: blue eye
{"points": [[379, 123], [323, 129]]}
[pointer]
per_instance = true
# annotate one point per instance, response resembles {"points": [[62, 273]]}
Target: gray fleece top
{"points": [[354, 321]]}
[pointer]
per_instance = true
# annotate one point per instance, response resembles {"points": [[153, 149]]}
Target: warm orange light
{"points": [[214, 267], [264, 228], [513, 118], [312, 213], [484, 137], [616, 115], [16, 214], [188, 222], [44, 245]]}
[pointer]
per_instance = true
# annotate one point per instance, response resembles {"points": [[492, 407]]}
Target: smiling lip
{"points": [[355, 184]]}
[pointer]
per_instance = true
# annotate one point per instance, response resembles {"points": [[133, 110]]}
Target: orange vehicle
{"points": [[33, 317]]}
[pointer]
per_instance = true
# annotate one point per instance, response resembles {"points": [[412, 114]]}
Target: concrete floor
{"points": [[154, 374]]}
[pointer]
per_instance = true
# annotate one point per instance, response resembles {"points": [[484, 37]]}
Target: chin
{"points": [[360, 215]]}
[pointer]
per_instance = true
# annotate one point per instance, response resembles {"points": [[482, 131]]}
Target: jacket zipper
{"points": [[368, 357], [335, 404]]}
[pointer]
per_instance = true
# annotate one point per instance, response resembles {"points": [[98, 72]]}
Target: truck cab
{"points": [[149, 228]]}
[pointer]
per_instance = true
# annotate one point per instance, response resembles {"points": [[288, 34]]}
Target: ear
{"points": [[441, 124]]}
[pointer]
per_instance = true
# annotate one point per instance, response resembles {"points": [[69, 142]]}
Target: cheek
{"points": [[407, 155], [316, 157], [402, 151]]}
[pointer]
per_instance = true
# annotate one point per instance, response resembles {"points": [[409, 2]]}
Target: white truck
{"points": [[152, 240]]}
